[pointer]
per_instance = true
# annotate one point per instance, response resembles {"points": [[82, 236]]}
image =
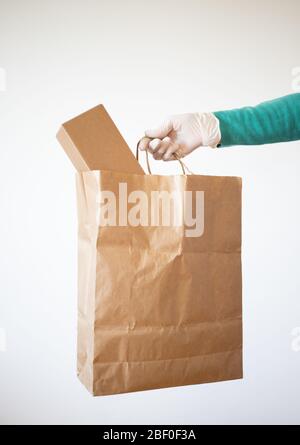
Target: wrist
{"points": [[210, 129]]}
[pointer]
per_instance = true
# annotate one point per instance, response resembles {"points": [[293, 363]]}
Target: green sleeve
{"points": [[277, 120]]}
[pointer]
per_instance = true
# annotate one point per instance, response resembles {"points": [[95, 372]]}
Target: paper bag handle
{"points": [[182, 164]]}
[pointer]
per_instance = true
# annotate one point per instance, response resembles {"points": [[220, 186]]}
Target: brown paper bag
{"points": [[159, 304]]}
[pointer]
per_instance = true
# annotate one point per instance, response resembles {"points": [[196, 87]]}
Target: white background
{"points": [[143, 60]]}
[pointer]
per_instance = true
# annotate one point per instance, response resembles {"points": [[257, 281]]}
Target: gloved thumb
{"points": [[160, 132]]}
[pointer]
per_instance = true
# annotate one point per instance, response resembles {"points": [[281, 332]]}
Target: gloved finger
{"points": [[169, 152], [154, 144], [144, 143], [161, 131], [165, 143]]}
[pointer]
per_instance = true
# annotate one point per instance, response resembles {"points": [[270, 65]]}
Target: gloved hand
{"points": [[181, 134]]}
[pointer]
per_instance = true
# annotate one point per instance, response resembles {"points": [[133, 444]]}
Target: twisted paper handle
{"points": [[182, 164]]}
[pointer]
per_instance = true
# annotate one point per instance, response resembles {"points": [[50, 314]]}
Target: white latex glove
{"points": [[181, 134]]}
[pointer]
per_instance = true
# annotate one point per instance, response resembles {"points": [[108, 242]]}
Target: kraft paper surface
{"points": [[157, 308]]}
